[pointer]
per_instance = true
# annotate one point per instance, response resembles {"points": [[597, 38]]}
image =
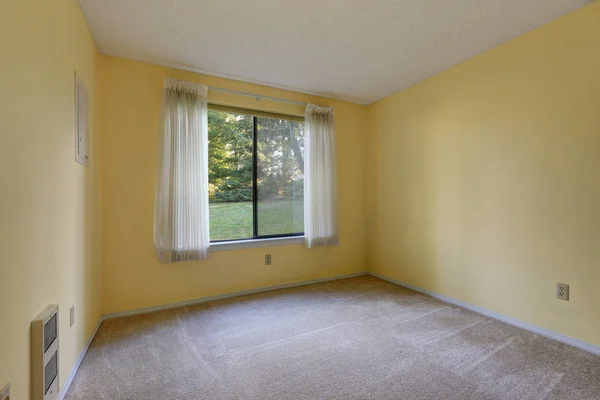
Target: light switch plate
{"points": [[5, 393]]}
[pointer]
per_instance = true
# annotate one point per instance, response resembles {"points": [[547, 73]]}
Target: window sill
{"points": [[251, 243]]}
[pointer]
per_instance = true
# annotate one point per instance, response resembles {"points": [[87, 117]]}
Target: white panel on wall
{"points": [[82, 122]]}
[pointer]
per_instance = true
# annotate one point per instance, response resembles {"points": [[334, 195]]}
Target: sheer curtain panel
{"points": [[181, 225], [320, 178]]}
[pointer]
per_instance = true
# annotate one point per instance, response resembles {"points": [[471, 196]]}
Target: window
{"points": [[256, 178]]}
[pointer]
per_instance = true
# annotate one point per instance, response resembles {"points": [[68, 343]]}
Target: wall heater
{"points": [[44, 355]]}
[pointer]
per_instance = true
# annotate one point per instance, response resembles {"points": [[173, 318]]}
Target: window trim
{"points": [[225, 245], [254, 113], [261, 240], [254, 178]]}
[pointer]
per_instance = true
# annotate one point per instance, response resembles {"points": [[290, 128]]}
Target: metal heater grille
{"points": [[49, 332], [50, 372]]}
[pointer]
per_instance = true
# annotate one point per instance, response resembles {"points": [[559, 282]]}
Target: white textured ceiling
{"points": [[355, 50]]}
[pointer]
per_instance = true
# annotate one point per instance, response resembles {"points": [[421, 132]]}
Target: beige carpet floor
{"points": [[358, 338]]}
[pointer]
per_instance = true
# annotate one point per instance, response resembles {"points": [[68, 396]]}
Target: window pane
{"points": [[280, 176], [230, 175]]}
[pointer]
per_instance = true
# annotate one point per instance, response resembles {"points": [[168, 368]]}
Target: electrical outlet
{"points": [[72, 316], [5, 393], [267, 259], [562, 291]]}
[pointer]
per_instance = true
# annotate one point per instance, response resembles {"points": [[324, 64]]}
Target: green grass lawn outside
{"points": [[275, 217]]}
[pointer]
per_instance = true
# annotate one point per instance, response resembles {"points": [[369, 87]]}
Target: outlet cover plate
{"points": [[5, 393], [72, 316], [267, 259], [562, 291]]}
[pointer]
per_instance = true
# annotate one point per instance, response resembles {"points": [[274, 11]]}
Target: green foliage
{"points": [[230, 156], [280, 158]]}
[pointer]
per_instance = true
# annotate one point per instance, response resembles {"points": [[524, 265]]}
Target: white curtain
{"points": [[181, 225], [320, 178]]}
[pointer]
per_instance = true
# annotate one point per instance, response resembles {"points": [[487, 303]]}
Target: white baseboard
{"points": [[532, 328], [226, 296], [67, 384]]}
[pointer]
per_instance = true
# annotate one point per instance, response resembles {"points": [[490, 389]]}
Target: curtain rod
{"points": [[257, 97]]}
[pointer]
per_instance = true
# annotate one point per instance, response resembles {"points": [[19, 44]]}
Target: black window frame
{"points": [[255, 114]]}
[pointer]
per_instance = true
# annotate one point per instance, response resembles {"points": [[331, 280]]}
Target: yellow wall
{"points": [[49, 205], [486, 179], [482, 184], [132, 277]]}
